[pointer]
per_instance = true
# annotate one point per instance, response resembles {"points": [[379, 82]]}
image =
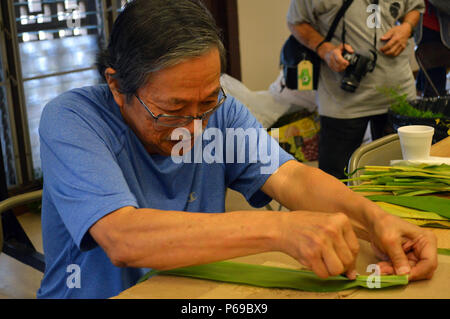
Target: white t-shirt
{"points": [[389, 71]]}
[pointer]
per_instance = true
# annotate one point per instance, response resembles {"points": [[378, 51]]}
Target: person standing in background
{"points": [[434, 27], [344, 115]]}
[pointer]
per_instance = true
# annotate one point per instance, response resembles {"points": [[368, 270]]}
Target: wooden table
{"points": [[171, 287], [441, 148]]}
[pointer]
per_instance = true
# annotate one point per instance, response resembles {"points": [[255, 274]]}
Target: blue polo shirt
{"points": [[94, 164]]}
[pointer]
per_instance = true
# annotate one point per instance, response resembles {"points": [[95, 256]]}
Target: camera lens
{"points": [[348, 86]]}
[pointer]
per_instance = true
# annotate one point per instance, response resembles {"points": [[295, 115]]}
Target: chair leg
{"points": [[17, 244]]}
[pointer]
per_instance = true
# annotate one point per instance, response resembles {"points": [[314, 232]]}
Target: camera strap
{"points": [[337, 19]]}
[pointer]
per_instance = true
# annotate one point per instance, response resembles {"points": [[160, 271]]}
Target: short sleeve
{"points": [[81, 173], [256, 155], [411, 5], [301, 11]]}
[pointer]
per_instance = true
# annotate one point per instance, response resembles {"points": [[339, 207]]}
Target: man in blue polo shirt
{"points": [[121, 196]]}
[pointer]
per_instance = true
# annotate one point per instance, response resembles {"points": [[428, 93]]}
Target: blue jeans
{"points": [[339, 138]]}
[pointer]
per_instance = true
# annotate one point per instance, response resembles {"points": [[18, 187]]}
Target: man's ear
{"points": [[114, 87]]}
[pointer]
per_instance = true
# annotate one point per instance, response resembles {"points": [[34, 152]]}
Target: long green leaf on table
{"points": [[434, 204], [444, 251], [406, 212], [275, 277]]}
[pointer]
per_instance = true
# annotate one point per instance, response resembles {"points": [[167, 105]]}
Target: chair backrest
{"points": [[378, 153]]}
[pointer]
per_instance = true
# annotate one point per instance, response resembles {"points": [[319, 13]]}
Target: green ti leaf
{"points": [[433, 204], [275, 277], [444, 251]]}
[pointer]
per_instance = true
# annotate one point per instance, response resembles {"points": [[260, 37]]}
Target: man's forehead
{"points": [[174, 96], [192, 79]]}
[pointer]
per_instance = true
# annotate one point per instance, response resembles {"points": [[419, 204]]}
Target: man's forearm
{"points": [[169, 239], [412, 19], [306, 34], [310, 189], [310, 38]]}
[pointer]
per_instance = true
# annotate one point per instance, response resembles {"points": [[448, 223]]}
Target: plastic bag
{"points": [[295, 99], [261, 104]]}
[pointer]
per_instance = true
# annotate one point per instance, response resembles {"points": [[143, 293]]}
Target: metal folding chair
{"points": [[13, 239], [378, 153]]}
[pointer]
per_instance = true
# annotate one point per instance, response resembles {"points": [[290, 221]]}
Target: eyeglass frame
{"points": [[186, 117]]}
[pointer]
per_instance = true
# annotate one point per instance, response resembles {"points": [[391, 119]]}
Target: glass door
{"points": [[58, 41]]}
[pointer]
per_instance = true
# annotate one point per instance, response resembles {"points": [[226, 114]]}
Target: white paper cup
{"points": [[415, 141]]}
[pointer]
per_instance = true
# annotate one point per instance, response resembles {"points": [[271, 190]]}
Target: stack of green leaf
{"points": [[402, 188]]}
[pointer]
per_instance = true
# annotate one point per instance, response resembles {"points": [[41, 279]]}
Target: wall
{"points": [[262, 32]]}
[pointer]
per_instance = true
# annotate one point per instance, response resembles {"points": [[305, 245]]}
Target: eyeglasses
{"points": [[178, 120]]}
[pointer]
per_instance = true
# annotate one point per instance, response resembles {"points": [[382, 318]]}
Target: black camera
{"points": [[359, 66]]}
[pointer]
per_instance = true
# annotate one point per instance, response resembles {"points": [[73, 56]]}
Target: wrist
{"points": [[371, 214], [410, 27], [323, 48], [319, 45]]}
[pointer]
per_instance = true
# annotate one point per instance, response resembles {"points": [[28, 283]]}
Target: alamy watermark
{"points": [[235, 145], [374, 19], [373, 280], [74, 278]]}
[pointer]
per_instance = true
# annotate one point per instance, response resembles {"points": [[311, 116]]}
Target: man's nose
{"points": [[195, 127]]}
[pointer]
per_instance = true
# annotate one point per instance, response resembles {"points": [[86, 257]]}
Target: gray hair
{"points": [[150, 35]]}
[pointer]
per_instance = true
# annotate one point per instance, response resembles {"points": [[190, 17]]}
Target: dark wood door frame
{"points": [[226, 14]]}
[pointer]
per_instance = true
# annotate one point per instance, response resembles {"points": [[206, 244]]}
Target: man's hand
{"points": [[302, 188], [332, 55], [325, 243], [397, 39], [404, 247]]}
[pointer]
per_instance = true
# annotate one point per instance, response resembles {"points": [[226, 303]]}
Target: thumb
{"points": [[348, 48], [387, 35], [398, 258]]}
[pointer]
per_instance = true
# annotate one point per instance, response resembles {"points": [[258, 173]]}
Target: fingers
{"points": [[353, 245], [346, 258], [421, 257], [335, 60], [312, 259], [342, 248], [394, 249], [348, 48], [333, 263], [387, 35], [328, 246], [320, 268], [388, 48], [378, 253], [393, 48], [424, 252], [397, 41]]}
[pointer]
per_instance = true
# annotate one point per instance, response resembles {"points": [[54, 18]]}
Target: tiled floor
{"points": [[20, 281]]}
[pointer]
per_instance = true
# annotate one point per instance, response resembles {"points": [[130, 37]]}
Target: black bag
{"points": [[293, 52]]}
